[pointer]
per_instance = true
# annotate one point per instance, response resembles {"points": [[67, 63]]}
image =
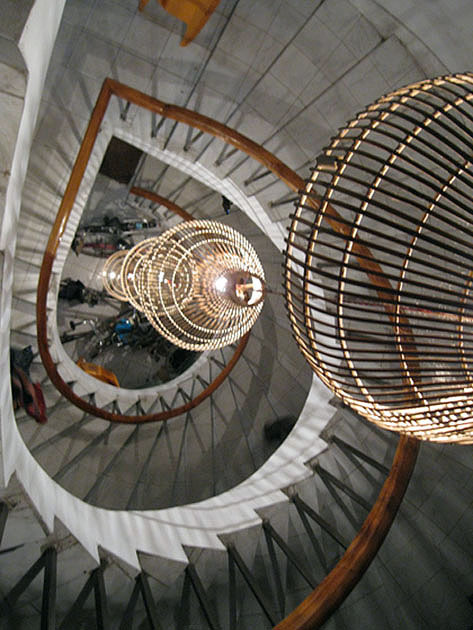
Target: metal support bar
{"points": [[315, 543], [232, 610], [199, 590], [319, 520], [184, 395], [59, 404], [164, 404], [188, 141], [150, 606], [134, 492], [203, 67], [290, 555], [155, 128], [212, 445], [255, 178], [193, 139], [200, 200], [48, 562], [180, 455], [101, 608], [175, 193], [87, 449], [48, 608], [24, 326], [127, 619], [10, 599], [155, 186], [10, 549], [242, 422], [154, 405], [174, 398], [116, 407], [351, 518], [257, 83], [62, 434], [94, 582], [3, 518], [183, 612], [326, 475], [118, 453], [217, 363], [187, 422], [282, 201], [139, 408], [202, 381], [237, 166], [276, 572], [369, 460], [224, 155], [70, 619], [254, 587], [124, 110], [258, 378]]}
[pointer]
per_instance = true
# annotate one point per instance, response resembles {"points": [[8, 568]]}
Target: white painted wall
{"points": [[36, 45]]}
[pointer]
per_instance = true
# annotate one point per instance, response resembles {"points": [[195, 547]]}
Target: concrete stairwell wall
{"points": [[27, 38]]}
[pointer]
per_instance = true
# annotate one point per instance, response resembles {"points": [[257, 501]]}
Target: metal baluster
{"points": [[46, 561], [85, 451], [251, 582], [327, 476], [300, 504], [132, 499], [257, 176], [290, 555], [359, 454], [90, 496], [310, 532], [150, 606], [276, 572], [201, 594]]}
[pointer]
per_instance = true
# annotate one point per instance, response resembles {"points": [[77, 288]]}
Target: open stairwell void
{"points": [[199, 522]]}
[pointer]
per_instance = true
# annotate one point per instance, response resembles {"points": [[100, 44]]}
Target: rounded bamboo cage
{"points": [[379, 266]]}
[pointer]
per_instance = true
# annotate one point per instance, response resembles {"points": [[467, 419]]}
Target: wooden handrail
{"points": [[54, 240], [153, 417], [207, 125], [338, 584], [162, 201], [111, 87]]}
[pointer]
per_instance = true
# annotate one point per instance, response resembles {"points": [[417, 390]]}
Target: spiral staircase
{"points": [[244, 532]]}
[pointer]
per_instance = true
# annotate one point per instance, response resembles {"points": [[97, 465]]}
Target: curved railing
{"points": [[204, 124], [46, 272], [109, 88], [337, 585], [162, 201], [346, 574], [114, 416]]}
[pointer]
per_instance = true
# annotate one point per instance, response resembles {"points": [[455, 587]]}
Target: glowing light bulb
{"points": [[221, 284]]}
